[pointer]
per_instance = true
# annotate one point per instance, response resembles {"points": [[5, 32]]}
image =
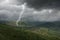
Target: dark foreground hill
{"points": [[11, 33]]}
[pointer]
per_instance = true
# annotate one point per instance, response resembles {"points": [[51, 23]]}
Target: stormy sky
{"points": [[37, 10], [38, 4]]}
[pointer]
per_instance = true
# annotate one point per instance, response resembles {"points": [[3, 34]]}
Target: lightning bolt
{"points": [[20, 16]]}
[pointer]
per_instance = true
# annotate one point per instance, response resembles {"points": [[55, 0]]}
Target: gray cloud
{"points": [[38, 4], [46, 16], [13, 9]]}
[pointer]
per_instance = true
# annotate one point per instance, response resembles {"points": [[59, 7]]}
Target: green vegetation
{"points": [[11, 33]]}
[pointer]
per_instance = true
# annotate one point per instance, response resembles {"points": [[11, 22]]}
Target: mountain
{"points": [[11, 33], [44, 24], [8, 32]]}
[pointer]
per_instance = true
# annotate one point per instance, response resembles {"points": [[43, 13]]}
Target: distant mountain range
{"points": [[39, 24], [30, 21], [45, 24]]}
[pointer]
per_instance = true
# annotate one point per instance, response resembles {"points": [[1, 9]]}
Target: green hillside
{"points": [[11, 33]]}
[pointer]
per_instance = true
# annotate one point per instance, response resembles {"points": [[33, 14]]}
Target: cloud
{"points": [[47, 15], [38, 4], [13, 9], [10, 8]]}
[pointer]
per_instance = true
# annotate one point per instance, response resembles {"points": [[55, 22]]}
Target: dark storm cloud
{"points": [[12, 8], [19, 2], [43, 3]]}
